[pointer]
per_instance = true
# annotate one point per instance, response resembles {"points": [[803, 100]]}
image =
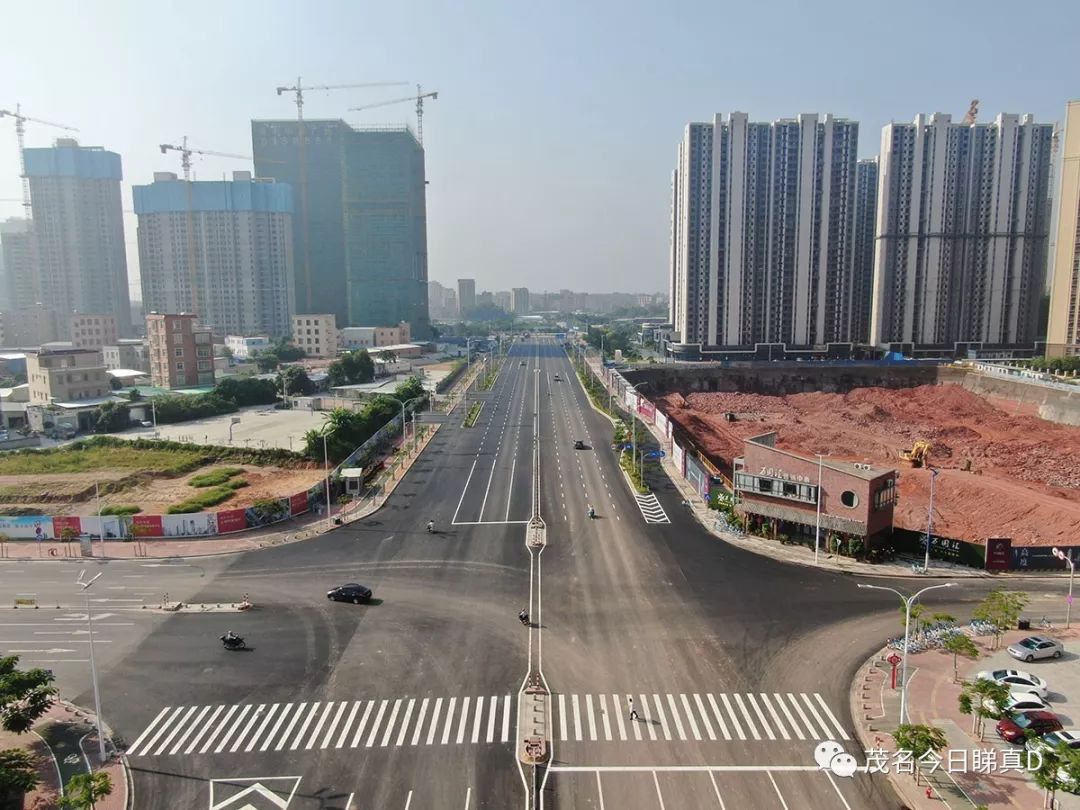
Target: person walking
{"points": [[633, 711]]}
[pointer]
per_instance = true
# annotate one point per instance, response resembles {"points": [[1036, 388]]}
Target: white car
{"points": [[1071, 737], [1019, 702], [1032, 647], [1016, 680]]}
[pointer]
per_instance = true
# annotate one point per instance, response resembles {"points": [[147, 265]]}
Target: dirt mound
{"points": [[1024, 477]]}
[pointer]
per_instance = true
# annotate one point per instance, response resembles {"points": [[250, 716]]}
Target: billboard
{"points": [[111, 527], [663, 423], [679, 455], [198, 524], [146, 525], [630, 398], [38, 527], [231, 520], [61, 522], [267, 512], [998, 553], [298, 503], [697, 476], [646, 409]]}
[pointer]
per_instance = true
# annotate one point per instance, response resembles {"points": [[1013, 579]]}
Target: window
{"points": [[849, 499], [180, 366], [178, 352]]}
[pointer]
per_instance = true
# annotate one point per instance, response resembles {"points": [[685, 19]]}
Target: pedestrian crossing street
{"points": [[651, 509], [382, 723]]}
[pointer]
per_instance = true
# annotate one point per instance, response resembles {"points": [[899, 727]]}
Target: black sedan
{"points": [[350, 592]]}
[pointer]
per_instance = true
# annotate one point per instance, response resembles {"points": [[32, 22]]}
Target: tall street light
{"points": [[817, 525], [633, 423], [403, 404], [930, 521], [908, 601], [1066, 557], [93, 665], [326, 470]]}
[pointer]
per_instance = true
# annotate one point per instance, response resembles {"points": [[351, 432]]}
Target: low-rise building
{"points": [[352, 338], [243, 347], [91, 331], [66, 375], [181, 351], [317, 335], [129, 353], [781, 488]]}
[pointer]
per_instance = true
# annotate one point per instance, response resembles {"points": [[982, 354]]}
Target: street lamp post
{"points": [[817, 525], [633, 425], [93, 665], [1066, 557], [326, 470], [908, 602], [929, 521], [101, 528]]}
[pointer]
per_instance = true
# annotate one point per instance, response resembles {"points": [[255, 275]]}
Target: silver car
{"points": [[1033, 647], [1019, 702]]}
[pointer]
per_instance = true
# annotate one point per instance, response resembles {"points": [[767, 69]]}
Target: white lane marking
{"points": [[232, 729], [304, 726], [562, 717], [749, 720], [617, 708], [258, 732], [176, 729], [787, 713], [191, 727], [319, 726], [436, 709], [659, 795], [600, 790], [774, 715], [510, 493], [821, 723], [662, 716], [390, 724], [370, 741], [835, 722], [408, 800], [675, 716], [802, 715], [363, 724], [577, 718], [690, 717], [777, 789], [468, 797], [704, 717], [449, 720], [731, 714], [837, 789], [493, 710], [604, 716], [419, 721], [644, 704], [463, 720], [288, 729], [206, 727], [760, 716], [149, 728], [719, 798], [463, 491], [348, 724], [255, 715], [333, 724], [487, 489], [218, 729], [506, 719], [478, 716], [589, 715]]}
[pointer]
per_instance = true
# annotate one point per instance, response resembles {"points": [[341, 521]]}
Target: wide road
{"points": [[738, 666]]}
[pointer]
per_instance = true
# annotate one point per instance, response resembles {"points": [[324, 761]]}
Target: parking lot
{"points": [[261, 426]]}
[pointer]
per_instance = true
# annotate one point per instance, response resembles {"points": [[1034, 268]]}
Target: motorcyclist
{"points": [[431, 525], [592, 512], [230, 637], [524, 616]]}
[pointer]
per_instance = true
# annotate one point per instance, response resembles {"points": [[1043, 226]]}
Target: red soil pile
{"points": [[1024, 481]]}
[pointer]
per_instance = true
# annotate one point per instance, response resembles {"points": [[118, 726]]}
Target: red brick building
{"points": [[780, 488]]}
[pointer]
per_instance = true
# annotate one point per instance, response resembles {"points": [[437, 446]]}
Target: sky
{"points": [[551, 145]]}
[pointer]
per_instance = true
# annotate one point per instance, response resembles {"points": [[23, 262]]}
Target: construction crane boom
{"points": [[186, 152], [299, 89], [973, 112], [418, 98], [20, 133]]}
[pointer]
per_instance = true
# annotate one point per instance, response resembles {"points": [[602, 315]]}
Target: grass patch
{"points": [[202, 500], [121, 509], [89, 457], [473, 415], [628, 465], [214, 478], [489, 381], [236, 483]]}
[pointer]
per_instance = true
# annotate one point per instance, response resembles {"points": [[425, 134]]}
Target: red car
{"points": [[1012, 728]]}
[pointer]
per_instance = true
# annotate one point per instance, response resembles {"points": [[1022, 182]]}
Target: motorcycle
{"points": [[592, 513], [233, 642], [524, 618], [431, 527]]}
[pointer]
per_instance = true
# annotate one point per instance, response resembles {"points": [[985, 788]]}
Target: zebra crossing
{"points": [[306, 726], [669, 717], [474, 720], [651, 509]]}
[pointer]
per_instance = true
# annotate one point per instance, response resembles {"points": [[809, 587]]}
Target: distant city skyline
{"points": [[550, 147]]}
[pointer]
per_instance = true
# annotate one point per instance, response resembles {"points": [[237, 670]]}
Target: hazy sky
{"points": [[550, 147]]}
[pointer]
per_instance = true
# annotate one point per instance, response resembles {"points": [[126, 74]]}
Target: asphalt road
{"points": [[738, 665]]}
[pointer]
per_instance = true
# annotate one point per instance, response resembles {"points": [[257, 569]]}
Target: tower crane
{"points": [[20, 133], [973, 112], [418, 98], [298, 91], [186, 152]]}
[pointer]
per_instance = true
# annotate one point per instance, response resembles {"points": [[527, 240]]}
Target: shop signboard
{"points": [[999, 553]]}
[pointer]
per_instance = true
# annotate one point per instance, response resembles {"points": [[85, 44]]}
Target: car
{"points": [[1032, 647], [579, 444], [144, 423], [1016, 680], [1018, 702], [349, 592], [1013, 728], [1070, 737], [521, 363], [557, 378]]}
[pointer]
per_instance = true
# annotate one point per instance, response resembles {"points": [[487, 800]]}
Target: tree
{"points": [[1002, 609], [25, 695], [18, 774], [133, 395], [245, 391], [296, 380], [1060, 768], [352, 368], [84, 789], [960, 644], [114, 383], [982, 699], [919, 740], [112, 416]]}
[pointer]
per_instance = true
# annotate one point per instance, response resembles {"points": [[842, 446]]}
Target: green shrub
{"points": [[202, 500], [121, 509], [214, 477], [236, 483]]}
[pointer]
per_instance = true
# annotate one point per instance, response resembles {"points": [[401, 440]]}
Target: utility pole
{"points": [[93, 665]]}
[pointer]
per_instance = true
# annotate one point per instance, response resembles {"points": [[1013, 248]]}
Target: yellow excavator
{"points": [[918, 454]]}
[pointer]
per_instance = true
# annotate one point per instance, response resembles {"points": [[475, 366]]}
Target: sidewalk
{"points": [[933, 700]]}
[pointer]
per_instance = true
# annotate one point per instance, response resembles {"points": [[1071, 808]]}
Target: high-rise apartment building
{"points": [[181, 351], [78, 230], [502, 300], [862, 251], [91, 331], [360, 234], [761, 233], [466, 294], [1063, 332], [18, 281], [316, 334], [519, 300], [239, 254], [29, 326], [962, 225], [442, 301]]}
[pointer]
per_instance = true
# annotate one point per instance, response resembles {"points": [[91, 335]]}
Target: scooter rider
{"points": [[523, 616], [592, 513], [431, 526]]}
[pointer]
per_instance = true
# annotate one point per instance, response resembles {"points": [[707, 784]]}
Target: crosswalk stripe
{"points": [[463, 720], [304, 726], [802, 715], [251, 724], [644, 704], [591, 716], [135, 745], [615, 707], [477, 717], [370, 741], [789, 716], [420, 721], [164, 726], [760, 716], [493, 704], [292, 724], [218, 729], [731, 714], [704, 717], [690, 717], [662, 716], [348, 724], [506, 719], [434, 721], [675, 716], [333, 724], [319, 726], [405, 721], [817, 717], [449, 720], [719, 717], [749, 720], [205, 728], [835, 722], [194, 724], [577, 718], [363, 724], [390, 724], [562, 717], [604, 716], [267, 719], [176, 729], [232, 729], [774, 715]]}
